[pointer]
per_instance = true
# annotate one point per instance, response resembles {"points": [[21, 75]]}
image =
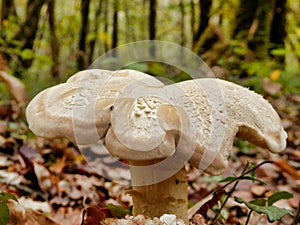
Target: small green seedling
{"points": [[260, 205], [265, 206]]}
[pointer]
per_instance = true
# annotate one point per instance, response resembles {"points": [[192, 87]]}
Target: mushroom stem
{"points": [[166, 197]]}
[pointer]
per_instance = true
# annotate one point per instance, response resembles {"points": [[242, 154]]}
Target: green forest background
{"points": [[254, 43]]}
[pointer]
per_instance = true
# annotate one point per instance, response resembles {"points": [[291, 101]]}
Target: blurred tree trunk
{"points": [[115, 24], [152, 24], [106, 24], [278, 30], [7, 9], [182, 22], [130, 34], [26, 33], [82, 62], [54, 42], [92, 42], [254, 25], [152, 19], [142, 28], [193, 20], [245, 14], [205, 7], [262, 29]]}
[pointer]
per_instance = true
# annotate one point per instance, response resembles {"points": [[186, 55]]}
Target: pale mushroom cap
{"points": [[233, 111], [79, 109], [200, 116]]}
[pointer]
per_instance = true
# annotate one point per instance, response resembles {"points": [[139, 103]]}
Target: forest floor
{"points": [[52, 178]]}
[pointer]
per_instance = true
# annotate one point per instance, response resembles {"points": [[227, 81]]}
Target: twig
{"points": [[243, 174], [297, 215], [83, 215], [248, 216], [231, 190], [194, 209]]}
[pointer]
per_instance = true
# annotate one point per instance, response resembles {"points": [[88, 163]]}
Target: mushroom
{"points": [[68, 109], [157, 128]]}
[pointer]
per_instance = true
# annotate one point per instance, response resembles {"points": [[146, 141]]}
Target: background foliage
{"points": [[44, 42]]}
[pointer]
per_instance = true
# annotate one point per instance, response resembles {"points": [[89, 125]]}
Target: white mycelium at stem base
{"points": [[154, 124]]}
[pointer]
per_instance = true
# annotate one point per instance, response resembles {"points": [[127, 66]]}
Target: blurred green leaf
{"points": [[27, 54], [278, 52], [4, 213], [117, 211], [5, 196], [227, 179], [4, 210], [278, 196], [259, 201]]}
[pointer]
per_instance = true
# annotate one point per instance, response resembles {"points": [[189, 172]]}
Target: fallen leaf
{"points": [[45, 180], [22, 215], [30, 154], [271, 87], [12, 178], [35, 205], [284, 165], [258, 190], [96, 214], [68, 216], [198, 219], [206, 203], [15, 87]]}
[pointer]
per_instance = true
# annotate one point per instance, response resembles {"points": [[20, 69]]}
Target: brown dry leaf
{"points": [[4, 161], [206, 203], [68, 216], [45, 179], [59, 165], [198, 219], [12, 178], [15, 87], [25, 216], [271, 87], [258, 190], [96, 214], [284, 165], [30, 154], [34, 205]]}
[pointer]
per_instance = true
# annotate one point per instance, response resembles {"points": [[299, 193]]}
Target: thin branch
{"points": [[231, 190], [243, 174], [248, 217]]}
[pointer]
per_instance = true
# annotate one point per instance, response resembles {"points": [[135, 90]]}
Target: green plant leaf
{"points": [[259, 202], [4, 213], [117, 211], [278, 196], [5, 196], [231, 178], [227, 179], [252, 165], [274, 213]]}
